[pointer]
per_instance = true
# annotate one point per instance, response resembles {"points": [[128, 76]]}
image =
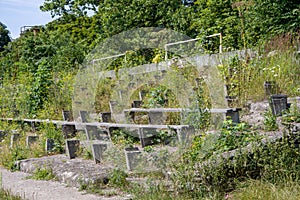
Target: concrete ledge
{"points": [[71, 172]]}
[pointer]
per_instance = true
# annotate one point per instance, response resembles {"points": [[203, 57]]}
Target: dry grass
{"points": [[267, 191]]}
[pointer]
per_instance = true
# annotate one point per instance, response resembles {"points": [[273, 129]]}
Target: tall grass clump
{"points": [[264, 190], [277, 61], [7, 195]]}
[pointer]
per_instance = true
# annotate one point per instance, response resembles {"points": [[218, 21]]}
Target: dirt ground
{"points": [[18, 184]]}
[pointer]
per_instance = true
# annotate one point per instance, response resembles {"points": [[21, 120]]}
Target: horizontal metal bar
{"points": [[114, 56]]}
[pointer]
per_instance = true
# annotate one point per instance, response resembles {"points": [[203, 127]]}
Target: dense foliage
{"points": [[40, 68], [4, 36]]}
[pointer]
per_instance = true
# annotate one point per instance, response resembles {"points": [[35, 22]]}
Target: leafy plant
{"points": [[270, 122], [51, 132], [123, 137], [117, 178], [293, 115], [42, 174], [157, 97], [233, 136], [199, 117], [148, 149], [9, 157]]}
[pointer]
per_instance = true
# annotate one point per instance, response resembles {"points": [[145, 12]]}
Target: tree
{"points": [[215, 16], [4, 36], [266, 18], [118, 16], [64, 7]]}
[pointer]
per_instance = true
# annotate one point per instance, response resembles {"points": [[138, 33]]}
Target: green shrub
{"points": [[270, 121], [123, 137], [272, 161], [8, 157], [117, 178], [51, 132], [42, 174]]}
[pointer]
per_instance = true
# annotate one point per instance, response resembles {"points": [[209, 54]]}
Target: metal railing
{"points": [[191, 40], [108, 57], [166, 48]]}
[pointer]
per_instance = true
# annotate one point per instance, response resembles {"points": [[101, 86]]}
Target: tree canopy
{"points": [[4, 36], [64, 7]]}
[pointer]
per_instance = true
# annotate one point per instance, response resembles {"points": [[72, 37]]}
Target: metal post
{"points": [[221, 50], [166, 52]]}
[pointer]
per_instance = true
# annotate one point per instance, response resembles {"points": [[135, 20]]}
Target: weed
{"points": [[98, 187], [293, 115], [51, 132], [261, 190], [148, 149], [8, 157], [124, 137], [6, 194], [157, 97], [85, 152], [42, 174], [270, 121], [117, 178]]}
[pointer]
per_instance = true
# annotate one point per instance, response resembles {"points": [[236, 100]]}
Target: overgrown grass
{"points": [[264, 190], [6, 195], [19, 150], [277, 63]]}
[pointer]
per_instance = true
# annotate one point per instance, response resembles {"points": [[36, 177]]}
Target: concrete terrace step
{"points": [[68, 171], [98, 124]]}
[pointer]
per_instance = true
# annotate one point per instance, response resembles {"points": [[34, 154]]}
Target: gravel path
{"points": [[30, 189]]}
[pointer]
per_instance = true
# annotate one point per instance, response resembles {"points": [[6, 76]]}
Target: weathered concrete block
{"points": [[98, 150], [129, 116], [69, 131], [14, 138], [106, 117], [157, 118], [93, 133], [132, 156], [84, 115], [185, 135], [233, 115], [67, 115], [278, 104], [136, 104], [31, 139], [142, 94], [49, 145], [72, 148], [147, 136]]}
